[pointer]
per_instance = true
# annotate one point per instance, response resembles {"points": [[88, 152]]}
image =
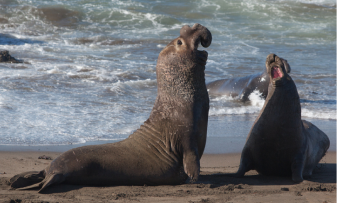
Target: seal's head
{"points": [[180, 65], [286, 65], [277, 69]]}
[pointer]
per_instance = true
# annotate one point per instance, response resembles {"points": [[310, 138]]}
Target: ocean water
{"points": [[89, 66]]}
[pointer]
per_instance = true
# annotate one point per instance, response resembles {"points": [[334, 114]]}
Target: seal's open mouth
{"points": [[276, 72]]}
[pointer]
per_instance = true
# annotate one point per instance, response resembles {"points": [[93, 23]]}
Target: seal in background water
{"points": [[242, 87]]}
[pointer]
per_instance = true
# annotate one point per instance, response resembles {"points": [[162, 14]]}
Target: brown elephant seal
{"points": [[167, 148], [242, 87], [280, 143]]}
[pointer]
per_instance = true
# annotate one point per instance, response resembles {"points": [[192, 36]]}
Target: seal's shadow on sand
{"points": [[61, 188], [323, 173]]}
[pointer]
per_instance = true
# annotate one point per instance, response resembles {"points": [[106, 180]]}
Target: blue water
{"points": [[89, 71]]}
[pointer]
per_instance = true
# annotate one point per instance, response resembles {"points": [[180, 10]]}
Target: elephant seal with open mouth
{"points": [[242, 87], [280, 143], [166, 149]]}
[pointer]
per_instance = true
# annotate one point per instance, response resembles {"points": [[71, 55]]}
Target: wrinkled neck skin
{"points": [[180, 89], [182, 103], [281, 112]]}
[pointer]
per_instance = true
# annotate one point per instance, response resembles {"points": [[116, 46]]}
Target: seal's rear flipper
{"points": [[35, 179], [191, 164], [52, 179], [27, 179]]}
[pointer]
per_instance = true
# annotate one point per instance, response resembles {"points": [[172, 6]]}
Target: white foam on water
{"points": [[251, 49], [205, 3], [127, 3], [255, 105], [146, 82], [234, 111], [40, 125], [317, 2], [81, 86], [319, 114], [161, 45], [223, 98], [263, 8], [120, 87], [256, 99]]}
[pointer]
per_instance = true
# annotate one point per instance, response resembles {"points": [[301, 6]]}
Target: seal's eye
{"points": [[179, 42]]}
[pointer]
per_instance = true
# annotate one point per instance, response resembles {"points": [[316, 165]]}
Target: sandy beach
{"points": [[214, 184], [221, 158], [89, 77]]}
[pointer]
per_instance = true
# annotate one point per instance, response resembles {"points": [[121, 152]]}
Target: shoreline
{"points": [[214, 145], [225, 134], [221, 158]]}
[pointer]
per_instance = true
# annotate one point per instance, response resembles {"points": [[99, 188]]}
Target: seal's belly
{"points": [[272, 162], [124, 176], [125, 163]]}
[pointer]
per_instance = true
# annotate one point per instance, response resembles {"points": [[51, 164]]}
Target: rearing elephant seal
{"points": [[242, 87], [167, 148], [280, 143]]}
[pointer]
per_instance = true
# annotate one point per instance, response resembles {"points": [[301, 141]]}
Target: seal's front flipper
{"points": [[191, 164], [246, 163], [26, 179], [241, 172], [297, 167]]}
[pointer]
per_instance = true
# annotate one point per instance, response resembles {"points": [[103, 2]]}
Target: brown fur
{"points": [[167, 148]]}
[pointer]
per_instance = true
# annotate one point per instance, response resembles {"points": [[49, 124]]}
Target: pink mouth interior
{"points": [[276, 72]]}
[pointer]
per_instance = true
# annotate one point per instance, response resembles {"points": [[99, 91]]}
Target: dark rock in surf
{"points": [[7, 58]]}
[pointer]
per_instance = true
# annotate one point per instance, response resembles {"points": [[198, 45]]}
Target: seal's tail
{"points": [[34, 179]]}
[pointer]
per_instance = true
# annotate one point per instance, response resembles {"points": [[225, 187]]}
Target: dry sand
{"points": [[214, 184]]}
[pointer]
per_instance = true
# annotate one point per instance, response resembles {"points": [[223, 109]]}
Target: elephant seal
{"points": [[167, 148], [242, 87], [279, 142]]}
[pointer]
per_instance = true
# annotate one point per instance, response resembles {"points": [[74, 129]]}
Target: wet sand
{"points": [[214, 184], [221, 158]]}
